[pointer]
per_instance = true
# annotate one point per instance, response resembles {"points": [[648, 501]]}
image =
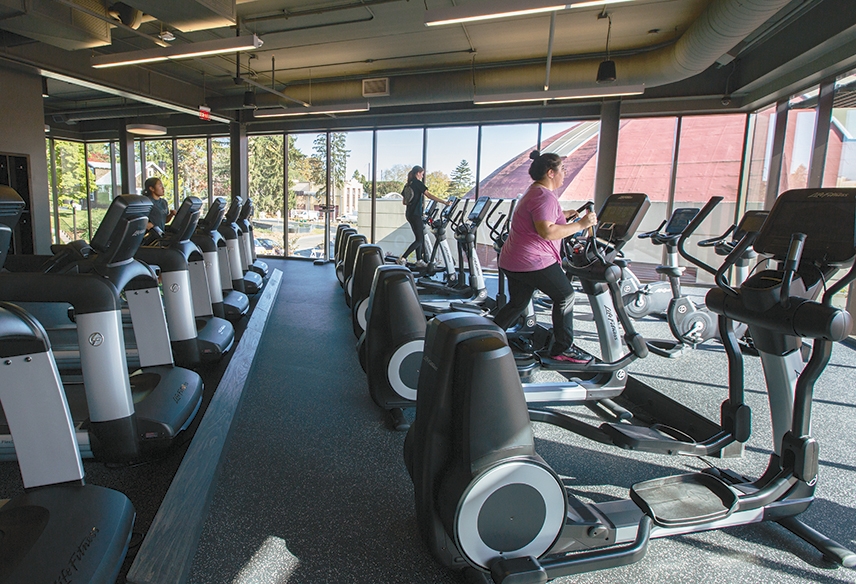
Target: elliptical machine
{"points": [[486, 502]]}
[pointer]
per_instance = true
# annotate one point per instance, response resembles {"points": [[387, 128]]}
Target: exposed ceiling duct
{"points": [[723, 24], [189, 15], [57, 25]]}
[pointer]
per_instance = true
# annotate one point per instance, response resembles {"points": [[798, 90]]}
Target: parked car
{"points": [[348, 217], [265, 246]]}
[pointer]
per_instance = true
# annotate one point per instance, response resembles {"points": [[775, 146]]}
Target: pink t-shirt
{"points": [[525, 250]]}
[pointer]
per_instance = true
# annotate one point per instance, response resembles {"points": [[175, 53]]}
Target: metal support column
{"points": [[239, 159], [126, 163], [823, 121], [607, 149], [774, 173]]}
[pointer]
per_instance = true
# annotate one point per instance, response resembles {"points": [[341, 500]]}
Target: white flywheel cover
{"points": [[361, 313], [520, 474], [395, 362]]}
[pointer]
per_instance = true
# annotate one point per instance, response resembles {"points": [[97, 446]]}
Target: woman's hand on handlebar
{"points": [[587, 220]]}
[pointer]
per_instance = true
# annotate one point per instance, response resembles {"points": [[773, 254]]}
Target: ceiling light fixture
{"points": [[490, 9], [311, 110], [606, 70], [553, 94], [127, 94], [187, 51], [145, 129]]}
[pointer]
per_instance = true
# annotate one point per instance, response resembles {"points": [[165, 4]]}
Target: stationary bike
{"points": [[487, 503]]}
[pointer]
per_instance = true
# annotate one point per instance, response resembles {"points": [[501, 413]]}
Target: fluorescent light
{"points": [[311, 110], [201, 49], [145, 129], [127, 94], [490, 9], [585, 93]]}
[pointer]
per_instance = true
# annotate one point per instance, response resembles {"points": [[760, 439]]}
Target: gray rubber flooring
{"points": [[314, 489]]}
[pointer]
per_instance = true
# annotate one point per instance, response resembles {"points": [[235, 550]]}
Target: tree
{"points": [[438, 183], [339, 161], [462, 180], [265, 170]]}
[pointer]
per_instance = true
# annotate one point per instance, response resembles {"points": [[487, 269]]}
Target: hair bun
{"points": [[534, 155]]}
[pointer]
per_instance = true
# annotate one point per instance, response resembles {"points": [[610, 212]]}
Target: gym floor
{"points": [[313, 486]]}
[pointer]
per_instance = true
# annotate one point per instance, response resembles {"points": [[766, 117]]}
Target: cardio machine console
{"points": [[122, 229], [680, 220], [621, 215], [826, 216], [186, 218], [479, 210]]}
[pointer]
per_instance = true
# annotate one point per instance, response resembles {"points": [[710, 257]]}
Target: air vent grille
{"points": [[376, 87]]}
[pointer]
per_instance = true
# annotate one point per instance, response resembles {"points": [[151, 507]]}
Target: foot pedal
{"points": [[684, 500]]}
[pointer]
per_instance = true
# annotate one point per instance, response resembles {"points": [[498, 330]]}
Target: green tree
{"points": [[438, 183], [192, 172], [265, 170], [338, 163], [462, 180]]}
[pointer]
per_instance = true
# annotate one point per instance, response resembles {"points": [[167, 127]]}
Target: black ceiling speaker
{"points": [[250, 99], [606, 72]]}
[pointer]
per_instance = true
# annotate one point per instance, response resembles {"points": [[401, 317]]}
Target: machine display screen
{"points": [[478, 209], [622, 215], [752, 222], [679, 220], [826, 216]]}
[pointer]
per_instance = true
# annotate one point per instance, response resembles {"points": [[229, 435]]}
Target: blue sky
{"points": [[446, 146]]}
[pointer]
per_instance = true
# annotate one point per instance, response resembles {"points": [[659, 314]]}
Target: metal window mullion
{"points": [[86, 182], [210, 163], [285, 207], [55, 193], [774, 174], [374, 186], [175, 173], [823, 122]]}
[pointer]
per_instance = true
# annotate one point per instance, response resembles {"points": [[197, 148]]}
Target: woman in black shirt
{"points": [[414, 216]]}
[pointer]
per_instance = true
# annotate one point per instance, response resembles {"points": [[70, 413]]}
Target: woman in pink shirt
{"points": [[530, 257]]}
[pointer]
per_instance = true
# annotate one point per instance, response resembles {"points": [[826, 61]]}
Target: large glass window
{"points": [[576, 143], [644, 165], [840, 168], [159, 164], [760, 153], [71, 195], [101, 180], [504, 167], [221, 168], [708, 165], [397, 152], [139, 179], [354, 206], [192, 172], [265, 188], [799, 140], [307, 184]]}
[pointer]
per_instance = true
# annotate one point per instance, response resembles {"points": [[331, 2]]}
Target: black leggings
{"points": [[553, 282], [418, 246]]}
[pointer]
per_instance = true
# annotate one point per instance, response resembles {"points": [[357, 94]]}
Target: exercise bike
{"points": [[488, 504]]}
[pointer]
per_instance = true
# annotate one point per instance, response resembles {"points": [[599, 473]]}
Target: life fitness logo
{"points": [[96, 339]]}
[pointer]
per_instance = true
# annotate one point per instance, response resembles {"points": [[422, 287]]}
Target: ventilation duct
{"points": [[55, 24], [376, 87], [189, 15]]}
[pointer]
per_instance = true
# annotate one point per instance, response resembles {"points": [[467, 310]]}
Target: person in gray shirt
{"points": [[160, 214]]}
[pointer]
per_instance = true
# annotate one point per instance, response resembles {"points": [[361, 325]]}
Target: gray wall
{"points": [[22, 123]]}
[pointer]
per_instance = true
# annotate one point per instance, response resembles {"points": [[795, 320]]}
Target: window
{"points": [[265, 189]]}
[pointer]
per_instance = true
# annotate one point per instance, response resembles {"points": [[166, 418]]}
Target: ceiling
{"points": [[687, 54]]}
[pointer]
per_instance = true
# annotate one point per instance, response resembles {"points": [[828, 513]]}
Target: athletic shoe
{"points": [[401, 261], [421, 265], [573, 355]]}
